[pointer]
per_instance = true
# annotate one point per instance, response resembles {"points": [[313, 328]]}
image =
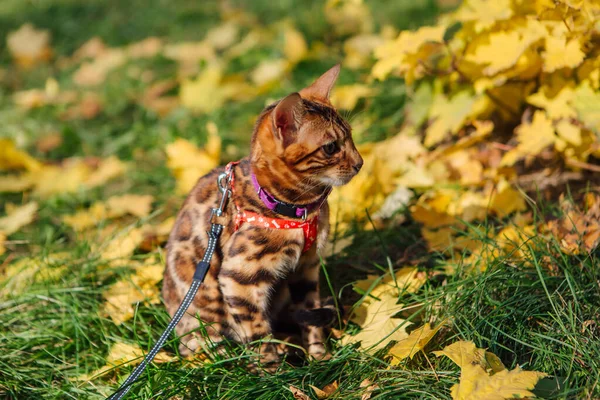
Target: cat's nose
{"points": [[357, 166]]}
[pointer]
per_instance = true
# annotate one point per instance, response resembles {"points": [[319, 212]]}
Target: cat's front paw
{"points": [[318, 352]]}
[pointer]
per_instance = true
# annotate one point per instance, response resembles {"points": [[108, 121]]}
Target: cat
{"points": [[259, 275]]}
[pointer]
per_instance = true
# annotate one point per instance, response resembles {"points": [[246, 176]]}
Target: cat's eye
{"points": [[331, 148]]}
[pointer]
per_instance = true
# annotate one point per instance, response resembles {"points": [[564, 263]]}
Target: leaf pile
{"points": [[501, 100]]}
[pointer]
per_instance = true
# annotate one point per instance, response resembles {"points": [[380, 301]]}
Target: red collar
{"points": [[309, 227]]}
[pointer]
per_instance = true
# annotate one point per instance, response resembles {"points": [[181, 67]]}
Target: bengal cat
{"points": [[263, 272]]}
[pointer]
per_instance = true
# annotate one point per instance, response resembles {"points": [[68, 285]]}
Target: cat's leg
{"points": [[253, 264], [309, 313], [207, 305]]}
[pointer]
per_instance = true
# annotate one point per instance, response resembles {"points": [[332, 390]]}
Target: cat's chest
{"points": [[278, 250]]}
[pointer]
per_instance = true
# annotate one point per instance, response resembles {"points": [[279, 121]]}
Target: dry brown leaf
{"points": [[327, 390], [370, 387], [298, 394]]}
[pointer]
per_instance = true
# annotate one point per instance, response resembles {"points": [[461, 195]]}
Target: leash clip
{"points": [[224, 184]]}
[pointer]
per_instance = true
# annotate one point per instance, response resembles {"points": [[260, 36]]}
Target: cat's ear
{"points": [[287, 117], [321, 88]]}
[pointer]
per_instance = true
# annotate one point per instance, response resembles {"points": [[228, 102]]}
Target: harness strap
{"points": [[309, 227]]}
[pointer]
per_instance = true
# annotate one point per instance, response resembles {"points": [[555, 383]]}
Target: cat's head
{"points": [[304, 138]]}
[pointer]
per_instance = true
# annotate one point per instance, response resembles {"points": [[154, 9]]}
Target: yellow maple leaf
{"points": [[431, 208], [210, 90], [561, 53], [108, 169], [52, 180], [569, 132], [122, 246], [16, 183], [123, 354], [367, 190], [18, 276], [587, 104], [503, 49], [94, 72], [2, 242], [558, 106], [448, 115], [476, 384], [506, 200], [29, 46], [18, 217], [406, 279], [533, 137], [465, 353], [134, 204], [224, 35], [348, 16], [84, 219], [378, 325], [345, 97], [188, 162], [13, 158], [114, 207], [294, 48], [484, 13], [415, 342], [268, 72], [407, 52], [359, 49], [122, 296]]}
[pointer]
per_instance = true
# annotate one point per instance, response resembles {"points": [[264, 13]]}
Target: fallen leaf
{"points": [[18, 217], [415, 342], [345, 97], [13, 158], [475, 383], [210, 90], [134, 204], [121, 354], [2, 243], [118, 250], [327, 390], [108, 169], [370, 387], [562, 53], [378, 325], [49, 142], [298, 394], [465, 353], [188, 162], [17, 277], [122, 296], [29, 46], [533, 138], [295, 48], [406, 279]]}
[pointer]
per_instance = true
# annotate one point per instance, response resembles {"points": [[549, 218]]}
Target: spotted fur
{"points": [[260, 277]]}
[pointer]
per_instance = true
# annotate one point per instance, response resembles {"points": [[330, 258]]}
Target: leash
{"points": [[224, 184]]}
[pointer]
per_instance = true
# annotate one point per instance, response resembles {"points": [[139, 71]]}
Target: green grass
{"points": [[53, 331]]}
